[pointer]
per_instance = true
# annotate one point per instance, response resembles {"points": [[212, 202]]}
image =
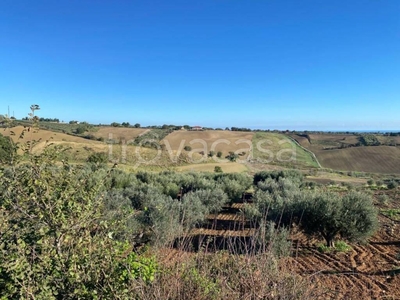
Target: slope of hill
{"points": [[216, 140], [79, 148], [374, 159], [119, 133]]}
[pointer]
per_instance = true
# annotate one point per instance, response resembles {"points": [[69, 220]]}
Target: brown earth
{"points": [[367, 271], [373, 159]]}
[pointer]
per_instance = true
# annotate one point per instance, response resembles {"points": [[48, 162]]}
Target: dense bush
{"points": [[293, 175], [368, 140], [218, 169], [7, 150], [98, 158], [58, 240]]}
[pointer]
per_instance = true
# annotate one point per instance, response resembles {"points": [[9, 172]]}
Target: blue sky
{"points": [[309, 64]]}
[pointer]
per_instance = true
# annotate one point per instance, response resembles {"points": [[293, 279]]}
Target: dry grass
{"points": [[231, 167], [119, 133], [335, 138], [43, 136], [179, 139], [326, 177], [223, 276]]}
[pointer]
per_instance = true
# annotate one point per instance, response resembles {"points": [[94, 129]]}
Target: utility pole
{"points": [[8, 115]]}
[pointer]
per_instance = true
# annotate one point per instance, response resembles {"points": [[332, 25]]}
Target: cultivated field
{"points": [[373, 159], [367, 271]]}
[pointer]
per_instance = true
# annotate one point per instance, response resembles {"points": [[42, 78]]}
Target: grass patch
{"points": [[340, 246], [391, 213], [275, 148]]}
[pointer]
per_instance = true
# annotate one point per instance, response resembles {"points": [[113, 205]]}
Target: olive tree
{"points": [[352, 216]]}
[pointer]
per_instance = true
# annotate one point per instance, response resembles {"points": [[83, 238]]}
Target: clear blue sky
{"points": [[298, 64]]}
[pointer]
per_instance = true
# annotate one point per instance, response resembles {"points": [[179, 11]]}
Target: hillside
{"points": [[332, 152], [118, 133], [79, 148], [373, 159], [223, 140]]}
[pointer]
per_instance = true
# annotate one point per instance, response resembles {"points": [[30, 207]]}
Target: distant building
{"points": [[197, 128]]}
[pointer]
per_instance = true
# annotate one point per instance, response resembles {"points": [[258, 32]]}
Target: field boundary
{"points": [[307, 150]]}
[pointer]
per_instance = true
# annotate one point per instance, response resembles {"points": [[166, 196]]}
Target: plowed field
{"points": [[368, 271]]}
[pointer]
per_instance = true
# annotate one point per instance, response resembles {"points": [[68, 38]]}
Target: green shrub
{"points": [[98, 158], [57, 239], [218, 169], [383, 199], [7, 150], [232, 156], [341, 246], [392, 185]]}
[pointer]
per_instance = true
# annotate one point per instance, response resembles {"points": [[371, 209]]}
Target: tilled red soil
{"points": [[367, 271]]}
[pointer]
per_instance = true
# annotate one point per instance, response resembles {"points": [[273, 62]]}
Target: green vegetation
{"points": [[218, 169], [391, 213], [98, 158], [275, 148], [317, 212], [351, 216], [7, 150], [340, 246], [57, 239], [232, 156], [152, 138], [392, 185], [369, 140], [70, 231]]}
